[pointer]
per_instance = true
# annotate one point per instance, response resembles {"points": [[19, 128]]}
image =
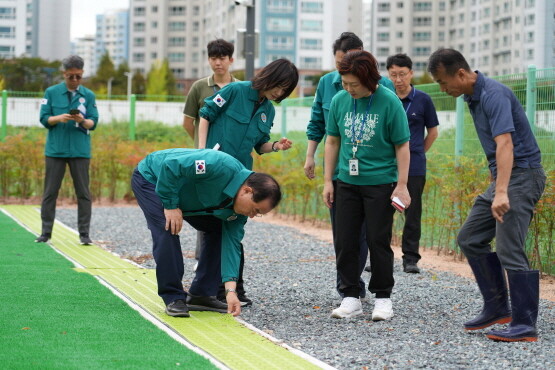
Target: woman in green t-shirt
{"points": [[368, 140]]}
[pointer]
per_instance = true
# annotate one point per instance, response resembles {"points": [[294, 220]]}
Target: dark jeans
{"points": [[413, 215], [363, 248], [369, 205], [525, 189], [166, 248], [55, 171]]}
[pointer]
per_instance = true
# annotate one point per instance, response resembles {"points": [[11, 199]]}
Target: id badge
{"points": [[353, 167]]}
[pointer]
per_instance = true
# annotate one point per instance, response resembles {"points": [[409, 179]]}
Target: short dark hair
{"points": [[279, 73], [363, 65], [401, 60], [264, 187], [73, 62], [220, 48], [347, 41], [450, 59]]}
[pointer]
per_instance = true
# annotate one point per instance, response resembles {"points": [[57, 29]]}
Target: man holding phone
{"points": [[68, 111]]}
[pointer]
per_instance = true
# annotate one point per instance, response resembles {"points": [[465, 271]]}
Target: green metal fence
{"points": [[457, 169]]}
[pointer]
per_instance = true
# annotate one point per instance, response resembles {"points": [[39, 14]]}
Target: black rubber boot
{"points": [[525, 297], [491, 281]]}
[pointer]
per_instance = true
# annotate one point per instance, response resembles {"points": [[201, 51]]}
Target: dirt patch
{"points": [[431, 259]]}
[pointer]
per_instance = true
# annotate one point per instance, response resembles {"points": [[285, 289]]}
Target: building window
{"points": [[311, 44], [196, 10], [154, 24], [176, 41], [422, 36], [279, 43], [153, 55], [312, 7], [139, 41], [422, 6], [285, 6], [530, 54], [311, 63], [383, 52], [139, 11], [177, 26], [312, 25], [139, 26], [384, 7], [281, 24], [399, 20], [399, 34], [400, 5], [7, 13], [176, 57], [177, 10], [383, 36], [421, 51], [154, 9], [178, 72], [422, 21], [441, 36], [138, 57], [383, 22]]}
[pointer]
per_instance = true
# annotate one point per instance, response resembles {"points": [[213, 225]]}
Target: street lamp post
{"points": [[129, 78], [110, 87], [249, 38]]}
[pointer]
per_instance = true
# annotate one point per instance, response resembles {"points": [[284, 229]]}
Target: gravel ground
{"points": [[290, 277]]}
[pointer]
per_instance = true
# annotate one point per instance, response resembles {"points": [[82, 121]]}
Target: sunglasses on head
{"points": [[74, 77]]}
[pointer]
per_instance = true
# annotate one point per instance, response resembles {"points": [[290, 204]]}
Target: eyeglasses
{"points": [[401, 75], [74, 77]]}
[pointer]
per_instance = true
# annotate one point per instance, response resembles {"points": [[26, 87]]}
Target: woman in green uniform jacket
{"points": [[240, 116]]}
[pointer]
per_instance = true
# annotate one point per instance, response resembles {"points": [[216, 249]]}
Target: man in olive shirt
{"points": [[220, 58], [68, 111], [214, 193]]}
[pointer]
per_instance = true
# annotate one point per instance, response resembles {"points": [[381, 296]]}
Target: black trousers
{"points": [[166, 248], [413, 216], [55, 171], [369, 204], [362, 247]]}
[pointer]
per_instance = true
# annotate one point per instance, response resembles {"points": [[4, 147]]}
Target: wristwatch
{"points": [[274, 149], [230, 290]]}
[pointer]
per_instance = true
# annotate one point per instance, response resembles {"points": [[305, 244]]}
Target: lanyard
{"points": [[356, 139], [408, 106]]}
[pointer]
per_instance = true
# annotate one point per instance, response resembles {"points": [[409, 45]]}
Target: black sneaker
{"points": [[411, 268], [84, 239], [43, 238], [205, 303], [177, 308]]}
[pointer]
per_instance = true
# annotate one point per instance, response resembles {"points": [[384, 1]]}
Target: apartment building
{"points": [[302, 31], [496, 36], [112, 36], [85, 47], [35, 28]]}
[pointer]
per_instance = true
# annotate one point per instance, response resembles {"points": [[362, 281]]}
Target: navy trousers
{"points": [[166, 248]]}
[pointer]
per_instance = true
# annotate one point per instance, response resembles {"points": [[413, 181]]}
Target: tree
{"points": [[119, 84], [425, 79], [29, 74], [138, 83], [160, 80], [1, 83], [105, 71]]}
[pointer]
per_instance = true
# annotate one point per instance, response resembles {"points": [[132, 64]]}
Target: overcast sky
{"points": [[83, 14]]}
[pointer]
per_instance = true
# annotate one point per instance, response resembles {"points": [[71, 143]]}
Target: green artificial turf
{"points": [[54, 317]]}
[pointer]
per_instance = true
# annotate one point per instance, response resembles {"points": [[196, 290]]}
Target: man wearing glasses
{"points": [[422, 118], [68, 111]]}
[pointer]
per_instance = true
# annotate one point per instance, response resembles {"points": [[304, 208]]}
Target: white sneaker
{"points": [[383, 309], [350, 307]]}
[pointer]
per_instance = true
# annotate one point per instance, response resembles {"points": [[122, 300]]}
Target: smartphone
{"points": [[74, 111], [398, 204]]}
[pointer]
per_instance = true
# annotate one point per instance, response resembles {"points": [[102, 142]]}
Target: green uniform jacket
{"points": [[196, 179], [328, 86], [234, 124], [385, 126], [68, 140], [199, 91]]}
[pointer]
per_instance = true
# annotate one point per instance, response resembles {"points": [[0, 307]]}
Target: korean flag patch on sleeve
{"points": [[219, 100], [44, 101], [200, 167]]}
